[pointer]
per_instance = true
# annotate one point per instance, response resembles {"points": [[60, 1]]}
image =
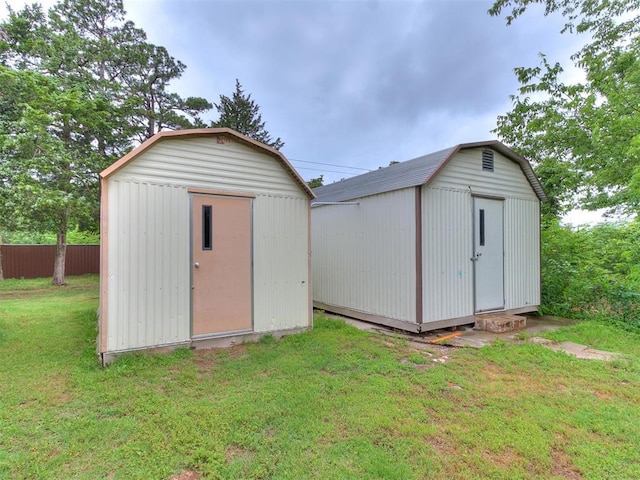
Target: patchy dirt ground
{"points": [[186, 475]]}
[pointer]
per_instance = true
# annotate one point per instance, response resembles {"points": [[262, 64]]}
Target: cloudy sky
{"points": [[357, 83]]}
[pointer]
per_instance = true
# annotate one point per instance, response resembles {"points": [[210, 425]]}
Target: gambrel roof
{"points": [[416, 172], [209, 132]]}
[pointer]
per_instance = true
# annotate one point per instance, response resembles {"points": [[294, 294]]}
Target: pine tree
{"points": [[242, 114]]}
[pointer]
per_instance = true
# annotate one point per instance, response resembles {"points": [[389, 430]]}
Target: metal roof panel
{"points": [[418, 171], [394, 177]]}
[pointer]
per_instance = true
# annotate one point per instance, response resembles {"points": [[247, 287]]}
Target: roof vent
{"points": [[487, 160]]}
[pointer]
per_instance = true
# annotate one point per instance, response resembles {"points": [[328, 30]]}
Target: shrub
{"points": [[592, 272]]}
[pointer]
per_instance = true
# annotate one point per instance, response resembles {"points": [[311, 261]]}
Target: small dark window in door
{"points": [[481, 221], [207, 227]]}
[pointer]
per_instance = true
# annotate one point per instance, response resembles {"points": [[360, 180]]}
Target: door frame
{"points": [[475, 196], [217, 193]]}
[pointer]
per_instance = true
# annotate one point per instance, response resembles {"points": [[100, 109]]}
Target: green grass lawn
{"points": [[334, 403]]}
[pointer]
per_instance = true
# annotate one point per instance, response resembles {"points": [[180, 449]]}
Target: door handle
{"points": [[197, 264]]}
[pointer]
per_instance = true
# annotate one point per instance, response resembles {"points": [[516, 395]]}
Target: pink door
{"points": [[221, 270]]}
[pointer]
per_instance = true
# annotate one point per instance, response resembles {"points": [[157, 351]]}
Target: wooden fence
{"points": [[35, 261]]}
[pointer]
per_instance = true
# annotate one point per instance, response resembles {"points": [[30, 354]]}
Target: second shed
{"points": [[430, 242]]}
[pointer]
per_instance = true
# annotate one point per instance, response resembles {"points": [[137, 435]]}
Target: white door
{"points": [[488, 254]]}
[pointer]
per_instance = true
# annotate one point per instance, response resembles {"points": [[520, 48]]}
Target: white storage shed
{"points": [[205, 241], [430, 242]]}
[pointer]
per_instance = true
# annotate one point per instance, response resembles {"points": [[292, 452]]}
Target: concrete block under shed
{"points": [[500, 323]]}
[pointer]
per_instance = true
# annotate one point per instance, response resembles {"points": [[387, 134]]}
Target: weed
{"points": [[522, 336], [267, 339], [417, 359]]}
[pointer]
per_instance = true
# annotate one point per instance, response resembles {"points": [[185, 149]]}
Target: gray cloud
{"points": [[354, 82]]}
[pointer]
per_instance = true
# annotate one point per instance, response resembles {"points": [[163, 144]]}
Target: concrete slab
{"points": [[581, 351], [469, 337]]}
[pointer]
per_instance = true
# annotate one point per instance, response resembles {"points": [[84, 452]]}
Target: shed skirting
{"points": [[220, 341], [368, 317], [527, 309], [408, 326], [106, 358]]}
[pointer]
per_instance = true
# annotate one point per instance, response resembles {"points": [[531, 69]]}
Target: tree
{"points": [[78, 87], [242, 114], [584, 137], [316, 182], [46, 178], [147, 80]]}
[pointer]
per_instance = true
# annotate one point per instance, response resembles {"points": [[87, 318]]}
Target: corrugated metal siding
{"points": [[450, 195], [148, 265], [364, 255], [522, 253], [204, 163], [36, 261], [149, 292], [364, 258], [447, 240], [280, 263], [464, 172]]}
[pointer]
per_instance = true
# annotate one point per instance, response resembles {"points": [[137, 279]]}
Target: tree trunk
{"points": [[61, 253]]}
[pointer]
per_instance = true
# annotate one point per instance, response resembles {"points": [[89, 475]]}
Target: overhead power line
{"points": [[330, 165], [325, 171]]}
